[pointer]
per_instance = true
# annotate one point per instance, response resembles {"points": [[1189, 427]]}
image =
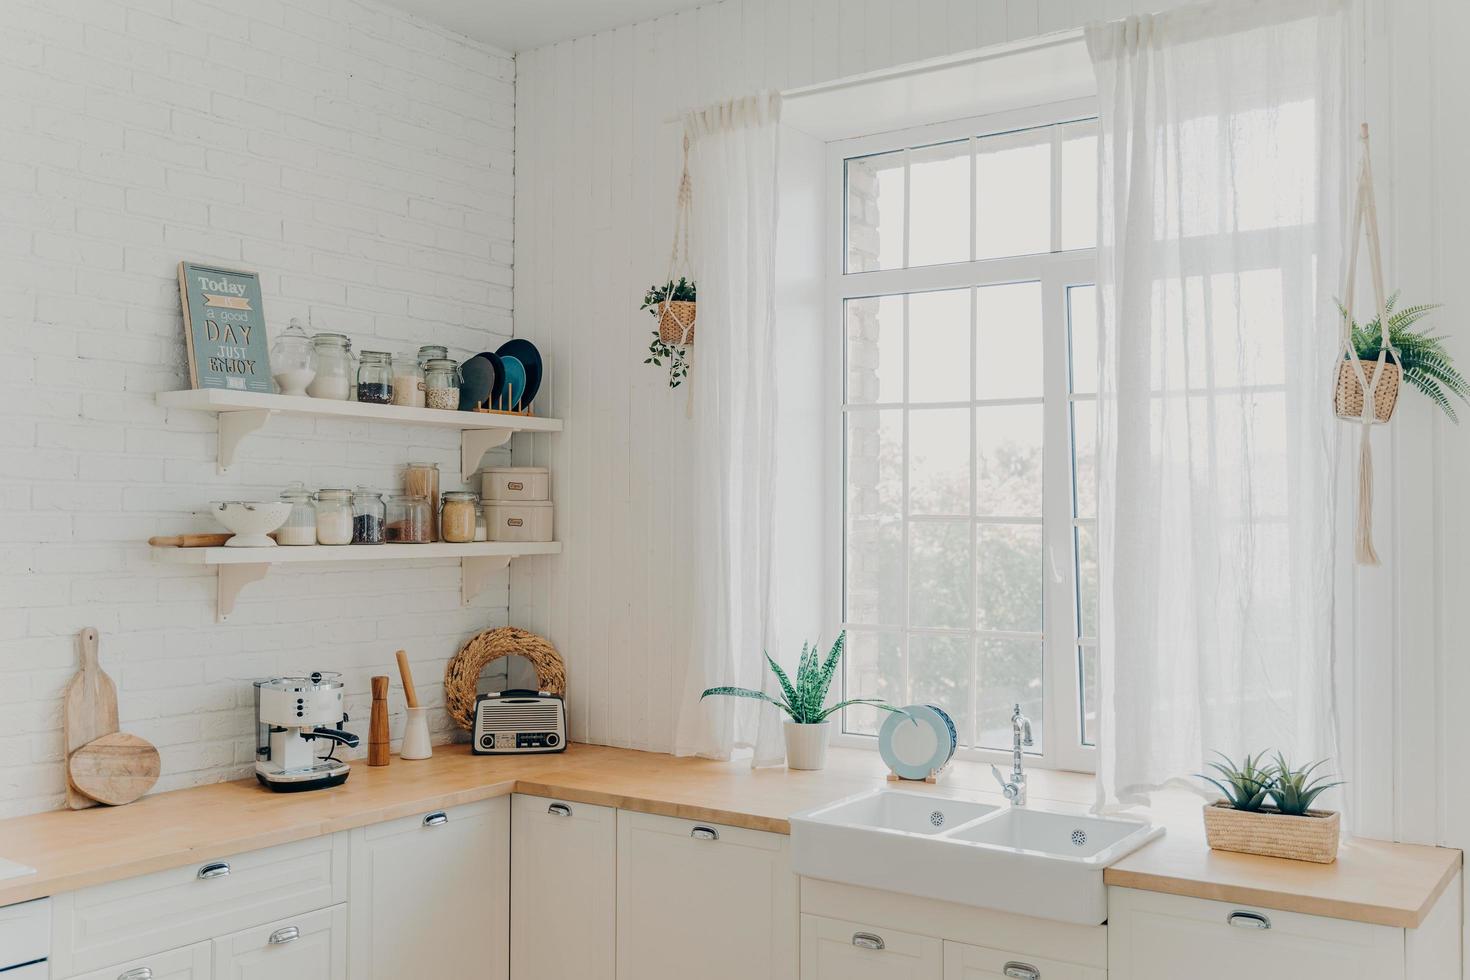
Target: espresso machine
{"points": [[295, 719]]}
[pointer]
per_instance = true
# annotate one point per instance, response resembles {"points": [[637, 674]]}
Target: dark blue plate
{"points": [[480, 378], [530, 358]]}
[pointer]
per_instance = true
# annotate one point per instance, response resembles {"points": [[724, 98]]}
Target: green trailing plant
{"points": [[1245, 786], [661, 352], [1294, 790], [803, 698], [1426, 363]]}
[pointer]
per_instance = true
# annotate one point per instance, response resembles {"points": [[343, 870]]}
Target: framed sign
{"points": [[224, 329]]}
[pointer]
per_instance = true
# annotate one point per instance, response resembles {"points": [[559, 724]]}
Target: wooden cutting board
{"points": [[115, 769], [89, 710]]}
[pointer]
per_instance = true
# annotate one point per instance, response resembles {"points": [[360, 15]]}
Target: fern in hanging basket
{"points": [[673, 304], [1422, 358]]}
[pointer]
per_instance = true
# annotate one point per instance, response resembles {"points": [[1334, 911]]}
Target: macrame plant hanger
{"points": [[679, 262], [1365, 225]]}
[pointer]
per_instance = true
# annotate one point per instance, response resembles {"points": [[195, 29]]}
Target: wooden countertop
{"points": [[1372, 881]]}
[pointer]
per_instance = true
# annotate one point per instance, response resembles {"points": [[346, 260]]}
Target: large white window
{"points": [[962, 261]]}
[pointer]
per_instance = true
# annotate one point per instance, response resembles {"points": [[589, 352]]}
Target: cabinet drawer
{"points": [[25, 931], [31, 971], [832, 949], [126, 919], [563, 858], [189, 963], [312, 946], [965, 962]]}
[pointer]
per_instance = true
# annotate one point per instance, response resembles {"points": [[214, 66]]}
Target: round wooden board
{"points": [[115, 769]]}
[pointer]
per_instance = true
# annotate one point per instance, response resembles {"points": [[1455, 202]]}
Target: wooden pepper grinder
{"points": [[378, 747]]}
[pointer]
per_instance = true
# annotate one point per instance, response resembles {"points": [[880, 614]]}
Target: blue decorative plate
{"points": [[513, 389], [915, 747]]}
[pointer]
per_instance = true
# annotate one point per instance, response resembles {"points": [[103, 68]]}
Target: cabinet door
{"points": [[832, 949], [433, 890], [190, 963], [965, 962], [563, 916], [1164, 937], [304, 947], [703, 900]]}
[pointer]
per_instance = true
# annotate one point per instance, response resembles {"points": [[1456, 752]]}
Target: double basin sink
{"points": [[1044, 861]]}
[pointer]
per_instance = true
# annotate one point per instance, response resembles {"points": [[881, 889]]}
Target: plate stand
{"points": [[932, 778]]}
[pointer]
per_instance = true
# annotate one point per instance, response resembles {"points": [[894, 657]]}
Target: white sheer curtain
{"points": [[733, 166], [1222, 183]]}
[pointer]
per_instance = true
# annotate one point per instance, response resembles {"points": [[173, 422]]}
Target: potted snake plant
{"points": [[803, 700]]}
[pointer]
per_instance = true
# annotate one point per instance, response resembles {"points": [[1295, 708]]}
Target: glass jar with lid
{"points": [[375, 378], [422, 480], [482, 526], [300, 526], [408, 382], [293, 360], [369, 514], [457, 516], [333, 378], [430, 352], [334, 516], [408, 519], [441, 383], [351, 373]]}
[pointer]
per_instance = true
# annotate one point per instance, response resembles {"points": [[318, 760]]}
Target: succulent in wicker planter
{"points": [[673, 304], [1244, 821], [1417, 358]]}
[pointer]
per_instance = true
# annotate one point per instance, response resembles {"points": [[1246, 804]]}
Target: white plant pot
{"points": [[806, 745]]}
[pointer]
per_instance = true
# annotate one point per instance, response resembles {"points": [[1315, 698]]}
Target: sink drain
{"points": [[937, 818], [1079, 837]]}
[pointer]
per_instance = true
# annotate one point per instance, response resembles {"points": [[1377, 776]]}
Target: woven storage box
{"points": [[1348, 399], [1272, 833], [676, 322]]}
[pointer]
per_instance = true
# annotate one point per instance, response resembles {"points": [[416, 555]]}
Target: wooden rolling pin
{"points": [[190, 540], [406, 672], [378, 749]]}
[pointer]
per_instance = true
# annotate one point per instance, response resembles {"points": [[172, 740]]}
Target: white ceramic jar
{"points": [[519, 520]]}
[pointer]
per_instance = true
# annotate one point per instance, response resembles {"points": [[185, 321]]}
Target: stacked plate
{"points": [[919, 744], [506, 379]]}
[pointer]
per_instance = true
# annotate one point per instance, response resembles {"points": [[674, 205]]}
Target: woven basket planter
{"points": [[1348, 399], [1272, 833], [462, 674], [676, 322]]}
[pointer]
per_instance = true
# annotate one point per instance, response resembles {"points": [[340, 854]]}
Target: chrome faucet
{"points": [[1015, 789]]}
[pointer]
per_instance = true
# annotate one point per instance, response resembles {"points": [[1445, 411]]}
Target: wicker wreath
{"points": [[462, 675]]}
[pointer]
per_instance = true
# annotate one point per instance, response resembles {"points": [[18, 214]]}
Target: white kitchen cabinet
{"points": [[431, 892], [965, 962], [1153, 936], [833, 949], [563, 916], [194, 962], [704, 900], [312, 946]]}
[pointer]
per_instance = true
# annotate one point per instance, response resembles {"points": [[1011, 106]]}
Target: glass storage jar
{"points": [[482, 527], [333, 378], [422, 480], [457, 517], [300, 526], [334, 516], [431, 352], [408, 519], [441, 383], [375, 378], [408, 382], [293, 360], [351, 373], [369, 514]]}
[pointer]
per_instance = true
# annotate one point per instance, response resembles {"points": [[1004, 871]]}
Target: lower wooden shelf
{"points": [[238, 567]]}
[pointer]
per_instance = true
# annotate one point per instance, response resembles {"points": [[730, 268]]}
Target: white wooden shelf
{"points": [[243, 412], [238, 567]]}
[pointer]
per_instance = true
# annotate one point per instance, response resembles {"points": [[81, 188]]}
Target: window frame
{"points": [[1057, 270]]}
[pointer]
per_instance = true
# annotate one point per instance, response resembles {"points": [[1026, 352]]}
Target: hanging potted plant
{"points": [[1414, 357], [673, 305], [808, 730], [1246, 820]]}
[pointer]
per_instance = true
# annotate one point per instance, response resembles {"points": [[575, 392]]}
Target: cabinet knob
{"points": [[136, 973], [868, 940], [1242, 919], [218, 869], [704, 833], [436, 819], [559, 810], [1020, 971], [284, 935]]}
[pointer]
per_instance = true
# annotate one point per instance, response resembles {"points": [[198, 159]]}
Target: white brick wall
{"points": [[359, 160]]}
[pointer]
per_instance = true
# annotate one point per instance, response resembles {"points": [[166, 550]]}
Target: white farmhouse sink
{"points": [[1044, 860]]}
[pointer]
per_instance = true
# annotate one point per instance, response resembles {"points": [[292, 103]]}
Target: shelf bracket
{"points": [[474, 444], [475, 573], [234, 426], [233, 578]]}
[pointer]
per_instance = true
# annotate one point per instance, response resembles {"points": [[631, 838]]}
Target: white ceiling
{"points": [[518, 25]]}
